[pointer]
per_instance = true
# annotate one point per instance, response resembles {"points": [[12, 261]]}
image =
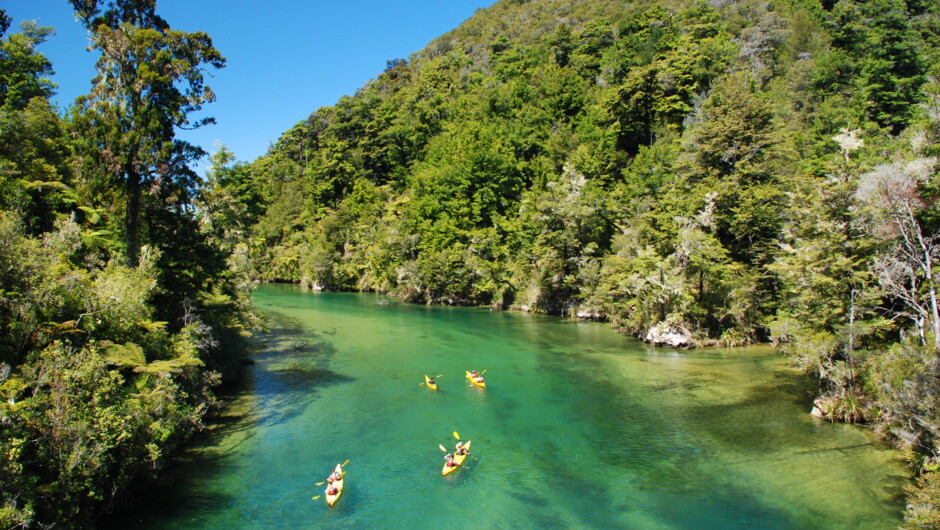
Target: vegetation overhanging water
{"points": [[580, 427]]}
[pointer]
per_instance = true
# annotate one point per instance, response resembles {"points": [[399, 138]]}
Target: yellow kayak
{"points": [[472, 380], [458, 459], [331, 499], [427, 381]]}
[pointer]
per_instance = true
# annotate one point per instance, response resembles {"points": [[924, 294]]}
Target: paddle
{"points": [[436, 378], [442, 448], [320, 484], [315, 497], [324, 482], [457, 436]]}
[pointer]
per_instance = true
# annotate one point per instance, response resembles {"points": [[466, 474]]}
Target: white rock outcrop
{"points": [[668, 336]]}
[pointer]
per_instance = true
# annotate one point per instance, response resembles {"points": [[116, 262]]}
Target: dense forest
{"points": [[728, 172], [119, 313]]}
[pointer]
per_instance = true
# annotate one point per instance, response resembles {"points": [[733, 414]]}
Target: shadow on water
{"points": [[538, 508], [577, 482], [160, 494], [291, 366]]}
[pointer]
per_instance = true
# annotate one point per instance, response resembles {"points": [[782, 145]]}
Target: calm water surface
{"points": [[580, 428]]}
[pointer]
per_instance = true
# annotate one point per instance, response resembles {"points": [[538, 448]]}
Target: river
{"points": [[580, 427]]}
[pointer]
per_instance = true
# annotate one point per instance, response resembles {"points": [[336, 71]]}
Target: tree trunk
{"points": [[935, 316], [131, 218]]}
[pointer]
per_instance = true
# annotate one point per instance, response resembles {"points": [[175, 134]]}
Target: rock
{"points": [[665, 335], [589, 313]]}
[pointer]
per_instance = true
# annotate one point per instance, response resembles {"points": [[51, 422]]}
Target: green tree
{"points": [[734, 153], [827, 315], [33, 147], [22, 69], [150, 79], [889, 69]]}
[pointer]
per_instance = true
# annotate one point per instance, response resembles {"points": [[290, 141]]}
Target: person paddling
{"points": [[450, 460], [461, 449], [334, 476]]}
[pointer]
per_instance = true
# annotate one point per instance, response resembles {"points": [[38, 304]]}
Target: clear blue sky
{"points": [[286, 58]]}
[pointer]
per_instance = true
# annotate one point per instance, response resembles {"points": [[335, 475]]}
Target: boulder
{"points": [[669, 336], [587, 312]]}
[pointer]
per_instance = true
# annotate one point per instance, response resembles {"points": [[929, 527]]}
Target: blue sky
{"points": [[285, 58]]}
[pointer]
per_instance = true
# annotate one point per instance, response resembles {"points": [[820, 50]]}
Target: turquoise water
{"points": [[580, 428]]}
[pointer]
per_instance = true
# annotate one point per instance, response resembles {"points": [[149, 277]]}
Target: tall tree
{"points": [[150, 79], [22, 70], [888, 69], [32, 139]]}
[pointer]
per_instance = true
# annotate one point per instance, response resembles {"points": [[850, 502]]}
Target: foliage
{"points": [[106, 364], [923, 510], [77, 432], [906, 382], [22, 69]]}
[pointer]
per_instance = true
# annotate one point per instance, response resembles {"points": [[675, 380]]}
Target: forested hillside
{"points": [[118, 312], [729, 171]]}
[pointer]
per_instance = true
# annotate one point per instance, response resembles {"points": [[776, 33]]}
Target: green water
{"points": [[580, 428]]}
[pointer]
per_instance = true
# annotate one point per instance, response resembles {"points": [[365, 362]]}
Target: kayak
{"points": [[481, 385], [331, 499], [458, 459], [427, 381]]}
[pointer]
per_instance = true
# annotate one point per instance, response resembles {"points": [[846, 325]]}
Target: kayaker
{"points": [[475, 376], [461, 450], [450, 460], [332, 490], [430, 381], [334, 476]]}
